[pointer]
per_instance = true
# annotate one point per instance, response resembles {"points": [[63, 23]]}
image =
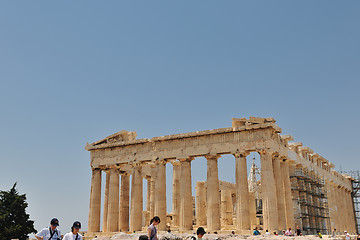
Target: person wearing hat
{"points": [[347, 235], [50, 233], [74, 234]]}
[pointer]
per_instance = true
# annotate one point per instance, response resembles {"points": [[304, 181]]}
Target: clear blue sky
{"points": [[73, 72]]}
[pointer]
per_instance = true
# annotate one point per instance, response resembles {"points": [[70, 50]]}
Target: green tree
{"points": [[14, 222]]}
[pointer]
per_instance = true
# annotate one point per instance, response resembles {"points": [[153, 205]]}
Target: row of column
{"points": [[116, 204], [275, 194], [341, 208]]}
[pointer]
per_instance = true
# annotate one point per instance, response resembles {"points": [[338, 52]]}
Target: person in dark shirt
{"points": [[298, 231]]}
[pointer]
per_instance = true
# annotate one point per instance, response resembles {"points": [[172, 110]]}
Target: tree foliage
{"points": [[14, 222]]}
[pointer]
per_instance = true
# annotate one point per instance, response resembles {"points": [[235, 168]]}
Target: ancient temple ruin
{"points": [[297, 187]]}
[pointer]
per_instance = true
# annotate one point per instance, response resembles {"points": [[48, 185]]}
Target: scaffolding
{"points": [[311, 201], [355, 180]]}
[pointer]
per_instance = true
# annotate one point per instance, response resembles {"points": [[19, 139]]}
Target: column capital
{"points": [[96, 169], [241, 154], [212, 156], [266, 152], [160, 161], [175, 162], [124, 173], [136, 164], [186, 159]]}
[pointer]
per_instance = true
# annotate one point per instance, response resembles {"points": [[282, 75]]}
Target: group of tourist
{"points": [[52, 233], [299, 233], [285, 233]]}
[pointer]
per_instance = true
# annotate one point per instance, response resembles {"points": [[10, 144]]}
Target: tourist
{"points": [[275, 233], [256, 231], [347, 235], [358, 237], [152, 231], [200, 232], [50, 233], [283, 232], [267, 233], [298, 231], [74, 234], [288, 232], [320, 235], [333, 233]]}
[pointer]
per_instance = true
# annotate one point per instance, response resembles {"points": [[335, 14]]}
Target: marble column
{"points": [[337, 208], [242, 192], [152, 190], [95, 201], [287, 193], [352, 215], [113, 206], [280, 196], [226, 208], [148, 193], [136, 199], [185, 196], [200, 203], [340, 198], [252, 210], [106, 202], [268, 193], [212, 196], [330, 204], [124, 203], [160, 194], [176, 193]]}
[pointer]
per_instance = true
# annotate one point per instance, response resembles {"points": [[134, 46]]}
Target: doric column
{"points": [[160, 194], [200, 204], [339, 198], [212, 194], [226, 208], [330, 204], [279, 192], [136, 199], [242, 192], [176, 193], [347, 211], [352, 216], [152, 189], [106, 202], [268, 195], [287, 195], [95, 201], [148, 193], [124, 203], [113, 207], [335, 207], [185, 195], [252, 210]]}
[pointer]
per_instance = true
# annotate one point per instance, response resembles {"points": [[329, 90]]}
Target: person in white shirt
{"points": [[50, 233], [267, 233], [74, 234], [347, 235]]}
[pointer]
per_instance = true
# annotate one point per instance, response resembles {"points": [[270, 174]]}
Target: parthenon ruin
{"points": [[297, 187]]}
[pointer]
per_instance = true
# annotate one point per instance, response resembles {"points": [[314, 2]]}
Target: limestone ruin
{"points": [[297, 186]]}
